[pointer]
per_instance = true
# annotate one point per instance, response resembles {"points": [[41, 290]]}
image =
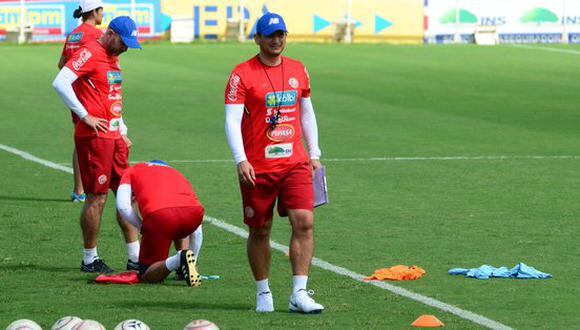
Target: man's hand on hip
{"points": [[246, 173], [97, 124]]}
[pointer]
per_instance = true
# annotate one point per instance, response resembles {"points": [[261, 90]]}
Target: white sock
{"points": [[262, 286], [90, 255], [299, 283], [265, 300], [133, 251], [195, 240], [172, 263]]}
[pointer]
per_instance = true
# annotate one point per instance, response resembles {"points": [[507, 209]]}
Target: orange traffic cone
{"points": [[427, 321]]}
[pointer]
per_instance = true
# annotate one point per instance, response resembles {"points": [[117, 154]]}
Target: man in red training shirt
{"points": [[102, 153], [170, 211], [268, 110]]}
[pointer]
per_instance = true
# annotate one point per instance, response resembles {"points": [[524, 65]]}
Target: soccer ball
{"points": [[201, 325], [132, 325], [89, 325], [23, 324], [66, 323]]}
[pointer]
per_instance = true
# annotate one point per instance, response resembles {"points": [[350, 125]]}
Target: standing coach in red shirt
{"points": [[268, 111], [91, 14], [103, 155]]}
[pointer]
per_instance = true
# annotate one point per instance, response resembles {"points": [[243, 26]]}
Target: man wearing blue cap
{"points": [[268, 109], [103, 155]]}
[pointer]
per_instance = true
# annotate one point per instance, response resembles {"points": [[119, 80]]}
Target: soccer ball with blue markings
{"points": [[66, 323], [23, 324], [89, 325], [132, 325]]}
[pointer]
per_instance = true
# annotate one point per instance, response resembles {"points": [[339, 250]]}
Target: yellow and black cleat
{"points": [[192, 277]]}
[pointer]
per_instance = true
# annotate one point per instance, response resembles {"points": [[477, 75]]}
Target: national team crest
{"points": [[293, 82]]}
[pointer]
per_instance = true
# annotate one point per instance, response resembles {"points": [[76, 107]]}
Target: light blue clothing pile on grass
{"points": [[521, 271]]}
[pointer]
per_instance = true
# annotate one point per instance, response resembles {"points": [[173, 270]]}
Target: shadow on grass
{"points": [[34, 199], [33, 267], [180, 305]]}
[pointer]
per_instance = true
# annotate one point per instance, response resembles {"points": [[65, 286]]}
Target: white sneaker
{"points": [[300, 302], [264, 302]]}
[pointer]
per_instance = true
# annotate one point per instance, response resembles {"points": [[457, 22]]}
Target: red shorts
{"points": [[163, 226], [292, 187], [102, 162]]}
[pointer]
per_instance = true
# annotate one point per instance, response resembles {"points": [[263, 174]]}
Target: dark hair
{"points": [[78, 13]]}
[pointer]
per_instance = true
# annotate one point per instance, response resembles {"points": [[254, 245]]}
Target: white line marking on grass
{"points": [[378, 159], [464, 314], [444, 158], [467, 315], [549, 49], [35, 159]]}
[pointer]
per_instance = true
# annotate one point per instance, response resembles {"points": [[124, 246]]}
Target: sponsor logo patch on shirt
{"points": [[75, 38], [114, 124], [282, 150], [284, 132], [282, 99], [116, 108], [234, 83], [114, 77], [84, 56]]}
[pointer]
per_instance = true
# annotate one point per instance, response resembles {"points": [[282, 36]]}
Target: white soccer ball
{"points": [[66, 323], [201, 325], [132, 325], [89, 325], [23, 324]]}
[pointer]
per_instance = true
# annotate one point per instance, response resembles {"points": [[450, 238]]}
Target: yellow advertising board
{"points": [[314, 20]]}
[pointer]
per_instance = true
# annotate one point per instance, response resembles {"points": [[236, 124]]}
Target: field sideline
{"points": [[438, 156]]}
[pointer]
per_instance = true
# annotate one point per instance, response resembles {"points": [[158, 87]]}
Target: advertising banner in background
{"points": [[374, 20], [401, 21], [53, 20], [517, 21]]}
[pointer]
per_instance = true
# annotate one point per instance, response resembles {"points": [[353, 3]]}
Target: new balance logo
{"points": [[274, 20]]}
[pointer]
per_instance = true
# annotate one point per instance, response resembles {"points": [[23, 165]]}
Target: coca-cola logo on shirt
{"points": [[84, 56], [234, 83], [284, 132]]}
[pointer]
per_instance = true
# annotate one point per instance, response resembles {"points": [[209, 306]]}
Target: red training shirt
{"points": [[265, 91], [100, 93], [156, 187], [78, 38]]}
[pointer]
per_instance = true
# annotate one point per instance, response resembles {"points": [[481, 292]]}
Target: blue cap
{"points": [[270, 23], [126, 28], [158, 162]]}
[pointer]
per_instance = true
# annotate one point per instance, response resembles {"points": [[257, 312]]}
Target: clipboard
{"points": [[320, 189]]}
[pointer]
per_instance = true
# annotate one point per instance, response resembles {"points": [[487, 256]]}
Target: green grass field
{"points": [[372, 101]]}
